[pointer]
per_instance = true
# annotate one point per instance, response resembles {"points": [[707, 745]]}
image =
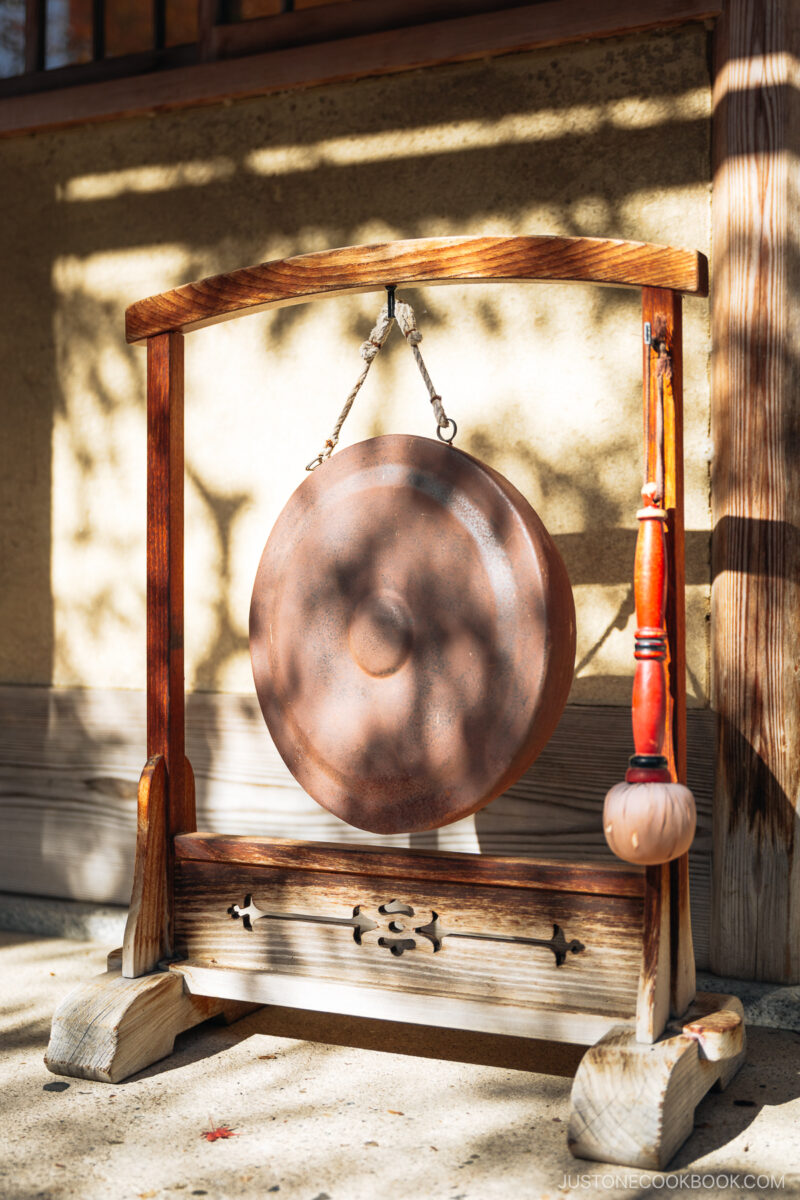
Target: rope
{"points": [[648, 351], [660, 438], [656, 341], [404, 316], [663, 372], [408, 325]]}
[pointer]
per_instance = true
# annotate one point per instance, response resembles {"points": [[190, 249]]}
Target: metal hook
{"points": [[390, 288], [447, 440]]}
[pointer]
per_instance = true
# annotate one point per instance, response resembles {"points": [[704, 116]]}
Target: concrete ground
{"points": [[331, 1108]]}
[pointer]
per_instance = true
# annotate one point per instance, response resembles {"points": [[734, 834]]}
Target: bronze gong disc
{"points": [[412, 634]]}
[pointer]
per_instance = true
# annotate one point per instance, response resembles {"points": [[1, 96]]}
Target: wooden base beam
{"points": [[453, 929], [445, 1012], [634, 1104]]}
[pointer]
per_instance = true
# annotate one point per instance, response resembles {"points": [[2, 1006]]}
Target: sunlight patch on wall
{"points": [[97, 524], [105, 185], [424, 139], [546, 124], [98, 466], [121, 276]]}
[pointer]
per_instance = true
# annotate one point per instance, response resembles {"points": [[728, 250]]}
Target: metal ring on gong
{"points": [[412, 634]]}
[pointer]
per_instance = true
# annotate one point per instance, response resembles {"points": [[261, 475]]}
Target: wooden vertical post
{"points": [[666, 315], [669, 955], [661, 308], [652, 1002], [165, 695], [755, 416]]}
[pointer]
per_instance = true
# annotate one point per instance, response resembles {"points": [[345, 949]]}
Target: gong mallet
{"points": [[649, 819]]}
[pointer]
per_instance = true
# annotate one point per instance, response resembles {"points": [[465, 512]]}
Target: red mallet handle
{"points": [[650, 651], [649, 819]]}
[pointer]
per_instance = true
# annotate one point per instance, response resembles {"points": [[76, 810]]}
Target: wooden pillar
{"points": [[756, 491], [165, 695], [661, 310]]}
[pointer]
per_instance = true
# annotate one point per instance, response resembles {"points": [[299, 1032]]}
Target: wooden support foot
{"points": [[147, 938], [634, 1103], [111, 1027]]}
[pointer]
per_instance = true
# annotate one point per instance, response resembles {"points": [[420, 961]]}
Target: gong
{"points": [[412, 634]]}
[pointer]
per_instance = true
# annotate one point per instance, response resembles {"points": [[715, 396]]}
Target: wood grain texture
{"points": [[445, 1012], [683, 974], [719, 1031], [422, 260], [755, 413], [614, 879], [146, 937], [165, 484], [111, 1027], [634, 1104], [70, 761], [652, 1003], [454, 40], [602, 978]]}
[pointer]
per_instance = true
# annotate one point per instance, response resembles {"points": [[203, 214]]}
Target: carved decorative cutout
{"points": [[249, 913], [397, 945], [398, 939], [396, 906], [435, 932]]}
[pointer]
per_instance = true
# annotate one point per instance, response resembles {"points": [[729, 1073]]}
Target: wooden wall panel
{"points": [[756, 490], [70, 762]]}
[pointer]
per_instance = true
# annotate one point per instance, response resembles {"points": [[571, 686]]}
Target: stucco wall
{"points": [[606, 139]]}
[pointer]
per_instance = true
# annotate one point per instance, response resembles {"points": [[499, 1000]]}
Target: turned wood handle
{"points": [[649, 819], [649, 706]]}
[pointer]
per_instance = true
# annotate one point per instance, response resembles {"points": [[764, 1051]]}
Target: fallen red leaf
{"points": [[212, 1135]]}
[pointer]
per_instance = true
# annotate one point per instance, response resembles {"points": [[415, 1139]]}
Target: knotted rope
{"points": [[656, 340], [403, 314]]}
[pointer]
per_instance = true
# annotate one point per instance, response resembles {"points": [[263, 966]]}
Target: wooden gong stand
{"points": [[401, 934]]}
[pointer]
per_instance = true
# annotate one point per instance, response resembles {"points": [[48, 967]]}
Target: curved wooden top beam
{"points": [[427, 260]]}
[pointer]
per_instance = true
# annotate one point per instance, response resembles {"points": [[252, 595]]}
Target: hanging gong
{"points": [[412, 634]]}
